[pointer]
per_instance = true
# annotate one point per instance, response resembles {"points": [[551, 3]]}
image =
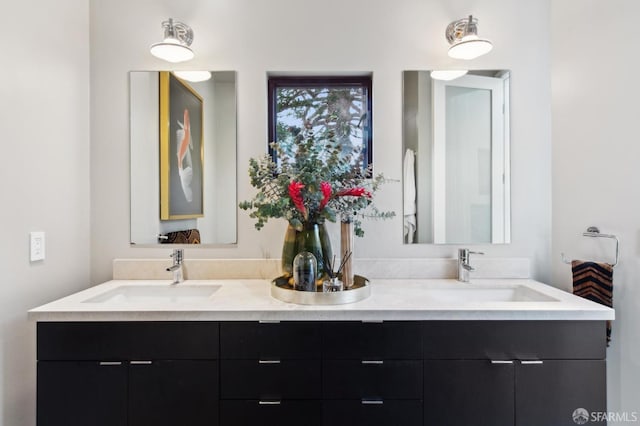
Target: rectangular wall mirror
{"points": [[183, 159], [456, 158]]}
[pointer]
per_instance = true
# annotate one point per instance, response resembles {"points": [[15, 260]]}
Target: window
{"points": [[327, 108]]}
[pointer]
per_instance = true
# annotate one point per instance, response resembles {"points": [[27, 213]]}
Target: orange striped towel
{"points": [[594, 281], [189, 236]]}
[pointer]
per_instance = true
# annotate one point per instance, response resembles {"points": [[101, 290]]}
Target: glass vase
{"points": [[313, 238]]}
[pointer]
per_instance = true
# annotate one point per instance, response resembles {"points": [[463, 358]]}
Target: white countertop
{"points": [[391, 299]]}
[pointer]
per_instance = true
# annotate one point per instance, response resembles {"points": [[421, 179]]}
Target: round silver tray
{"points": [[281, 289]]}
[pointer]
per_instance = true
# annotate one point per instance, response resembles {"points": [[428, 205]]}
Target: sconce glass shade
{"points": [[470, 47], [465, 43], [193, 76], [175, 45], [171, 51], [447, 75]]}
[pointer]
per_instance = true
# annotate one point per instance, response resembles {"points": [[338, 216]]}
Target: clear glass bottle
{"points": [[332, 284], [305, 271]]}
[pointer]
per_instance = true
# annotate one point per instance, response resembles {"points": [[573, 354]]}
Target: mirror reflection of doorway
{"points": [[470, 190]]}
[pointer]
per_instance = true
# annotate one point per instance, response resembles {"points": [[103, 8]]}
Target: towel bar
{"points": [[594, 232]]}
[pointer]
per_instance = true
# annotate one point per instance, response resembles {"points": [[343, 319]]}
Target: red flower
{"points": [[354, 192], [325, 187], [294, 192]]}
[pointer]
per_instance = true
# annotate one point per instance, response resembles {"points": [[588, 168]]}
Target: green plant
{"points": [[313, 181]]}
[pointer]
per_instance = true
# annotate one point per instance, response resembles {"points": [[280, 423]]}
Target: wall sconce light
{"points": [[462, 35], [175, 45], [447, 75]]}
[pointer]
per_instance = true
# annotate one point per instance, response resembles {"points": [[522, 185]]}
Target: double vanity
{"points": [[224, 352]]}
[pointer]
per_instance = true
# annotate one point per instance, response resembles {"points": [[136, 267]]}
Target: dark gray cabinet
{"points": [[522, 373], [173, 392], [81, 393], [547, 393], [129, 374], [372, 373], [468, 392], [270, 373], [235, 373]]}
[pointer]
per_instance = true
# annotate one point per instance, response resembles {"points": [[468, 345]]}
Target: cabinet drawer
{"points": [[288, 379], [346, 379], [363, 340], [514, 339], [270, 413], [280, 340], [365, 413], [127, 340]]}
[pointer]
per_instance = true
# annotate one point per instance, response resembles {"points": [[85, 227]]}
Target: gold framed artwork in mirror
{"points": [[181, 149]]}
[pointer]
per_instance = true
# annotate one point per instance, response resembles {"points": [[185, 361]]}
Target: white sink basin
{"points": [[488, 294], [155, 294]]}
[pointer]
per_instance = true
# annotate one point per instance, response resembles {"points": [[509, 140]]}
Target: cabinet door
{"points": [[549, 391], [82, 393], [169, 393], [469, 392]]}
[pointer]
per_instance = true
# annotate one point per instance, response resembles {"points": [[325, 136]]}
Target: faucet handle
{"points": [[178, 255], [465, 252]]}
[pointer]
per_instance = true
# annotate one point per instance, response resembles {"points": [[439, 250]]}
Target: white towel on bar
{"points": [[409, 196]]}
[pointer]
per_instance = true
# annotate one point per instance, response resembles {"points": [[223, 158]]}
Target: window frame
{"points": [[363, 81]]}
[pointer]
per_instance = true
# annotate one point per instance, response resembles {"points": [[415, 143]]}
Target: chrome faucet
{"points": [[176, 268], [464, 267]]}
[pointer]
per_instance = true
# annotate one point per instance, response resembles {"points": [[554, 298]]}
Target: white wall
{"points": [[384, 37], [44, 102], [596, 172]]}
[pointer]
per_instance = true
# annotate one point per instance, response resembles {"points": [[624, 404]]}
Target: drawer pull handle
{"points": [[500, 361], [374, 362], [269, 402], [372, 321], [372, 402], [110, 363], [140, 362], [269, 322], [532, 362], [269, 361]]}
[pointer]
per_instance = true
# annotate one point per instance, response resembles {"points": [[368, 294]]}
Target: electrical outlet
{"points": [[37, 246]]}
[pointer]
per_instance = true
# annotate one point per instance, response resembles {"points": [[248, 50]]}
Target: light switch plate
{"points": [[37, 246]]}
